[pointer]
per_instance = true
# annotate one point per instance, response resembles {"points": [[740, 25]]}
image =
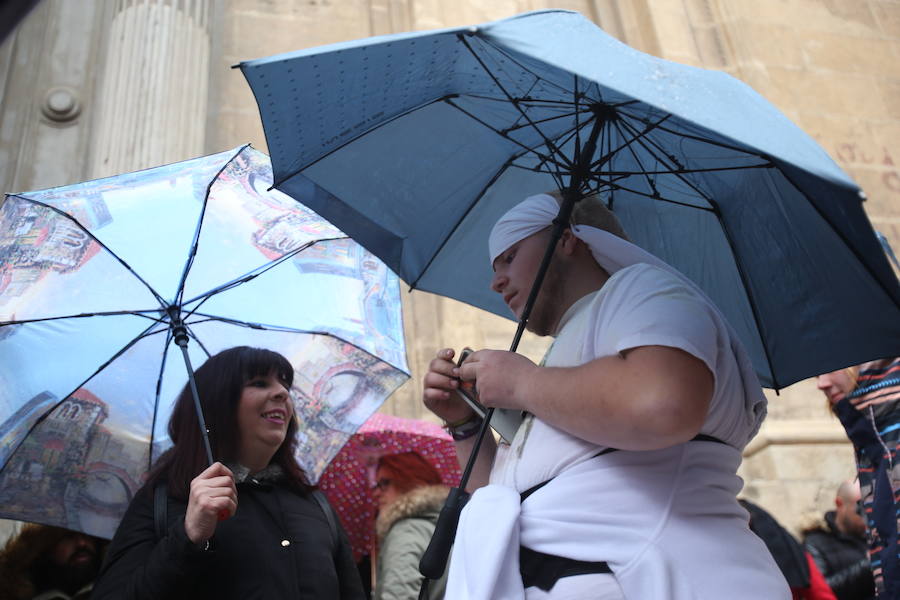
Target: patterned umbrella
{"points": [[349, 478], [95, 279]]}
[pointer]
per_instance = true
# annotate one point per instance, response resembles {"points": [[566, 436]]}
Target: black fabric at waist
{"points": [[544, 570], [700, 437]]}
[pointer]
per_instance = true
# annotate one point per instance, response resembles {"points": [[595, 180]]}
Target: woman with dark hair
{"points": [[249, 526], [410, 496]]}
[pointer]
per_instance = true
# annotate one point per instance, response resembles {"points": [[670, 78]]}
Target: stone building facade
{"points": [[89, 89]]}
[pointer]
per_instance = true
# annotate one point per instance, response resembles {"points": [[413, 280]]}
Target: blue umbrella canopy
{"points": [[90, 278], [427, 138]]}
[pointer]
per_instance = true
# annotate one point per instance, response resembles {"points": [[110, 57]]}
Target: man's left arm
{"points": [[646, 398]]}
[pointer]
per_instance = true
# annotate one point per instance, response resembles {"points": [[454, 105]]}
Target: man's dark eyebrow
{"points": [[499, 256]]}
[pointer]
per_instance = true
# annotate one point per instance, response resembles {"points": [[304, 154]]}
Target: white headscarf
{"points": [[537, 212]]}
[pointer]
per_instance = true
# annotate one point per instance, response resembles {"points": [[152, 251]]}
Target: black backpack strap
{"points": [[329, 516], [160, 509]]}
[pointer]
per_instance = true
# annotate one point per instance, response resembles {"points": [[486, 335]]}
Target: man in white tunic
{"points": [[621, 481]]}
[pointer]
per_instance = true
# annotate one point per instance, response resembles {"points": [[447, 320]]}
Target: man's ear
{"points": [[568, 242]]}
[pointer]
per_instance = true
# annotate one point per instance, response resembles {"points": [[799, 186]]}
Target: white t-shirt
{"points": [[666, 521], [640, 305]]}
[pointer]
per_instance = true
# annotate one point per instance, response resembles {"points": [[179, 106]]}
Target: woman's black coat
{"points": [[277, 545]]}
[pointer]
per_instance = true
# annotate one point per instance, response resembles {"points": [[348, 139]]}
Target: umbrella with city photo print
{"points": [[110, 289]]}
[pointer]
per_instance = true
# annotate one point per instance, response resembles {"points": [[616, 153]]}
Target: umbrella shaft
{"points": [[445, 531], [182, 343], [570, 196]]}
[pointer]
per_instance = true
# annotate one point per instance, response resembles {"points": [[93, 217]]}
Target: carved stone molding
{"points": [[61, 104]]}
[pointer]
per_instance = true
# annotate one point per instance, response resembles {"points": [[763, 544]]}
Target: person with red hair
{"points": [[410, 494]]}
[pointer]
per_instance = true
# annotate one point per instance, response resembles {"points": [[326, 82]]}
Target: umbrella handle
{"points": [[434, 561]]}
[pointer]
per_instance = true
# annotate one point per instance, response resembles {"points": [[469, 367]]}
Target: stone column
{"points": [[153, 92]]}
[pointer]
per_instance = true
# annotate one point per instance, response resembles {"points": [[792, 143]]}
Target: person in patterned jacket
{"points": [[866, 399]]}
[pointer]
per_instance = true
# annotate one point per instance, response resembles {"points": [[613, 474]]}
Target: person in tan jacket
{"points": [[410, 495]]}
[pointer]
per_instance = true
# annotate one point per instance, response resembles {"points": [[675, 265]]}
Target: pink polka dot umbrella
{"points": [[349, 478]]}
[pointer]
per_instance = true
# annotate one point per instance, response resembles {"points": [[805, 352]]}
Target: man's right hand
{"points": [[441, 398], [441, 382]]}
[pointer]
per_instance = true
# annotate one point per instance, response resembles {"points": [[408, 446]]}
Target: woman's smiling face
{"points": [[264, 412]]}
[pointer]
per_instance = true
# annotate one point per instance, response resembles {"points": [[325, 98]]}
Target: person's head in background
{"points": [[398, 474], [74, 560], [848, 515], [43, 558], [837, 384]]}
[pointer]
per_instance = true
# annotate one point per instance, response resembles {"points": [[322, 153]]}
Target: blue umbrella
{"points": [[98, 279], [427, 138]]}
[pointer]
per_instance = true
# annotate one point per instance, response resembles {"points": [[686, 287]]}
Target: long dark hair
{"points": [[220, 382]]}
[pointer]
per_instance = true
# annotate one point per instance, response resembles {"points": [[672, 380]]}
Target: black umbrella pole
{"points": [[181, 338], [434, 561]]}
